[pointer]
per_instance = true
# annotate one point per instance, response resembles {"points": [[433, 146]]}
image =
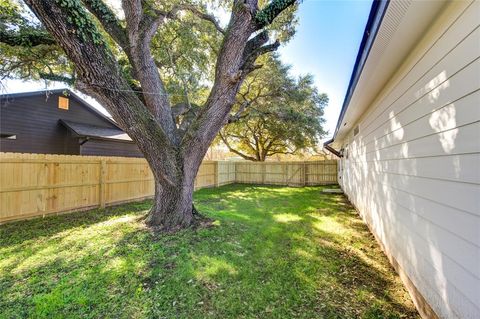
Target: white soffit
{"points": [[404, 23]]}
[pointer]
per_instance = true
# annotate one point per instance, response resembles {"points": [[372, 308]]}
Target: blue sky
{"points": [[325, 45]]}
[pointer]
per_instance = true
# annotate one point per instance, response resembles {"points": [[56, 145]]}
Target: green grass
{"points": [[273, 252]]}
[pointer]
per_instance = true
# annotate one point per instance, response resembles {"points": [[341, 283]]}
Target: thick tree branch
{"points": [[249, 63], [231, 149], [142, 25], [228, 78], [26, 38], [255, 42], [266, 48], [57, 77], [266, 16], [99, 75], [109, 22], [233, 65], [196, 11]]}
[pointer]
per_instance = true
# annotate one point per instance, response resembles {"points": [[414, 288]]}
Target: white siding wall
{"points": [[413, 170]]}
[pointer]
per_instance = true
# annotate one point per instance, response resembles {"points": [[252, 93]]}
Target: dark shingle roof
{"points": [[87, 130]]}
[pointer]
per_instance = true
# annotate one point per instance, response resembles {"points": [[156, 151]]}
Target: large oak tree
{"points": [[173, 138], [277, 114]]}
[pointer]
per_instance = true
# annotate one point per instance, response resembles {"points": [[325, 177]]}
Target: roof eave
{"points": [[377, 12], [91, 136]]}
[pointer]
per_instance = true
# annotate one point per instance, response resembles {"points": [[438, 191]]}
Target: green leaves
{"points": [[185, 48], [284, 115], [271, 11], [82, 22]]}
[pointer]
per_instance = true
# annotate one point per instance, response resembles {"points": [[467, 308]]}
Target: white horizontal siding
{"points": [[454, 34], [441, 258], [413, 171], [441, 89], [465, 252], [449, 117], [455, 167], [460, 140]]}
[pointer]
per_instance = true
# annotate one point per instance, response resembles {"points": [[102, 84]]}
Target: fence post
{"points": [[336, 172], [234, 172], [103, 171], [304, 173], [215, 177], [263, 171]]}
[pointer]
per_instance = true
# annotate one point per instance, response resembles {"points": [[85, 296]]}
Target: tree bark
{"points": [[172, 206], [173, 202]]}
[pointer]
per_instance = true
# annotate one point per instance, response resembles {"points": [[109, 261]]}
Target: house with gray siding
{"points": [[408, 138], [59, 122]]}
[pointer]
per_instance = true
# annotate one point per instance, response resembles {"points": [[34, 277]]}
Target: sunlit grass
{"points": [[272, 252], [286, 218]]}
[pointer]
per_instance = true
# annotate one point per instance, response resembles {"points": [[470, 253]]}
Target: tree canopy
{"points": [[276, 114], [184, 49]]}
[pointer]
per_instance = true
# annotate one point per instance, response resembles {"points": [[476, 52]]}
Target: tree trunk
{"points": [[172, 206], [173, 202]]}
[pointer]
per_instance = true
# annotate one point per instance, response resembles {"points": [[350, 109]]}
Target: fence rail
{"points": [[40, 184]]}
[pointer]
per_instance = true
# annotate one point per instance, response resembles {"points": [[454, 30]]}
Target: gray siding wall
{"points": [[413, 170], [34, 119], [110, 148]]}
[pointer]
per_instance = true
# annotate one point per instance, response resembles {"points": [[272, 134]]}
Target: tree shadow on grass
{"points": [[275, 253], [324, 235], [53, 224]]}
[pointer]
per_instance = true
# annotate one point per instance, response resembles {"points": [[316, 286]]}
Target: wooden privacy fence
{"points": [[287, 173], [37, 184]]}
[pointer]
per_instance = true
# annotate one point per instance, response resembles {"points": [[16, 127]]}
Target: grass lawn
{"points": [[273, 252]]}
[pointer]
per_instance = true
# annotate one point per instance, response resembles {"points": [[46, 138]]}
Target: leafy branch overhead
{"points": [[194, 47], [271, 11]]}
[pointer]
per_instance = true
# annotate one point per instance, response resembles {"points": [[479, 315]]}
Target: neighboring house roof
{"points": [[392, 29], [87, 130], [65, 92]]}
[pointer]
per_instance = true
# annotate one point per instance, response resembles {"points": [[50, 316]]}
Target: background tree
{"points": [[112, 59], [277, 114]]}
